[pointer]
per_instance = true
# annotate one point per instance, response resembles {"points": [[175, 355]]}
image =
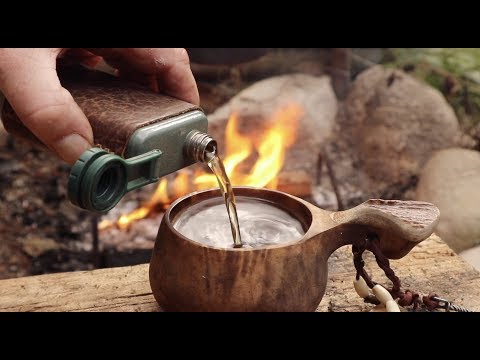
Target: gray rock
{"points": [[397, 122], [389, 126], [451, 181]]}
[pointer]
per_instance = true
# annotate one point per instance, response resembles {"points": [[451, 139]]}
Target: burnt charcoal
{"points": [[60, 261], [115, 258]]}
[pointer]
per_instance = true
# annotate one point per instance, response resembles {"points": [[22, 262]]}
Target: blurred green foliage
{"points": [[453, 71]]}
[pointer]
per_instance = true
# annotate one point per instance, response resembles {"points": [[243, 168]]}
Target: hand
{"points": [[29, 81]]}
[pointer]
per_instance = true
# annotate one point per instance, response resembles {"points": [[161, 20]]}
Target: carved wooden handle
{"points": [[399, 225], [114, 108]]}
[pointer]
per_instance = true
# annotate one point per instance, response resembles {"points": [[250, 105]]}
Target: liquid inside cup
{"points": [[261, 223]]}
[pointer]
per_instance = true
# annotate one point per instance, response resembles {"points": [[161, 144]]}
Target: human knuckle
{"points": [[49, 113]]}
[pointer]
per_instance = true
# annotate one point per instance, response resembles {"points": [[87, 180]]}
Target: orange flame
{"points": [[159, 197], [270, 153]]}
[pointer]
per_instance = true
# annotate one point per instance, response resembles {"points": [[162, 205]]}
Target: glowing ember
{"points": [[270, 152]]}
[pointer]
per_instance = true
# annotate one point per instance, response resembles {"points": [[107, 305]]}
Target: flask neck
{"points": [[199, 145]]}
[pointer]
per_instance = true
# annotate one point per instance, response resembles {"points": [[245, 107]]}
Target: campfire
{"points": [[266, 151]]}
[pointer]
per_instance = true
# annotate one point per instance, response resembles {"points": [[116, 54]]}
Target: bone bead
{"points": [[392, 306], [379, 308], [361, 287], [381, 294]]}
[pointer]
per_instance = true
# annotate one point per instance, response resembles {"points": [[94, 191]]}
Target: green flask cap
{"points": [[99, 179]]}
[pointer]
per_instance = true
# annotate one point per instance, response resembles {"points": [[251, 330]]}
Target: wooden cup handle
{"points": [[399, 225], [114, 108]]}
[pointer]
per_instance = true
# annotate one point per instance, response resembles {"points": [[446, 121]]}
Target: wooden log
{"points": [[113, 289], [128, 289], [275, 62]]}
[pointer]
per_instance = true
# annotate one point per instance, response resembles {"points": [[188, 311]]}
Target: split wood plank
{"points": [[430, 266]]}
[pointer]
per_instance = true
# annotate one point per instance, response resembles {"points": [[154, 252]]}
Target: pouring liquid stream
{"points": [[216, 165]]}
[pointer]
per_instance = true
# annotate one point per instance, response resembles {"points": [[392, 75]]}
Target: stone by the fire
{"points": [[257, 103], [396, 122], [451, 181], [390, 125]]}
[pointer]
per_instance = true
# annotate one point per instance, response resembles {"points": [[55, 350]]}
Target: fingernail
{"points": [[71, 147]]}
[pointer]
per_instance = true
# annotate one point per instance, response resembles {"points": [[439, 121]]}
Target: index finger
{"points": [[168, 69]]}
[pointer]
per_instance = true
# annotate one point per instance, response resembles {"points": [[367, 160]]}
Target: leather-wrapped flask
{"points": [[139, 136]]}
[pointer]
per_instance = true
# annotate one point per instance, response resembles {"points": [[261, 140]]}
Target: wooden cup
{"points": [[188, 276]]}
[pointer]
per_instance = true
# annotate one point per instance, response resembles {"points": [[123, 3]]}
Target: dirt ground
{"points": [[35, 217], [42, 232]]}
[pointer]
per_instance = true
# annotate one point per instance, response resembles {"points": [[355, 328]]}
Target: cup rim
{"points": [[198, 196]]}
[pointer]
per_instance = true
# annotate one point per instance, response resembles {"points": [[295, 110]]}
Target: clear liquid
{"points": [[262, 223], [216, 165]]}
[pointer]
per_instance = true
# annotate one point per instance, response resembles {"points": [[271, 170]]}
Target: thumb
{"points": [[29, 81]]}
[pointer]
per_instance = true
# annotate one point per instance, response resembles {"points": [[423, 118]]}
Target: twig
{"points": [[318, 177], [95, 243], [333, 180]]}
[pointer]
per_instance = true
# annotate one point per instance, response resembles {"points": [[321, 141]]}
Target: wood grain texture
{"points": [[291, 277], [401, 224], [430, 266]]}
